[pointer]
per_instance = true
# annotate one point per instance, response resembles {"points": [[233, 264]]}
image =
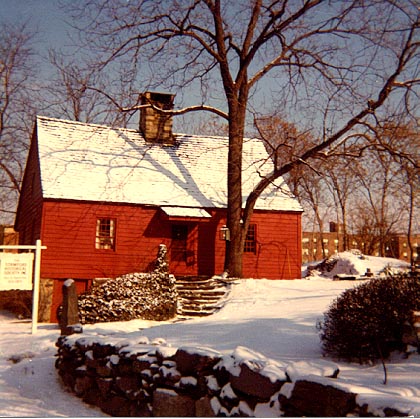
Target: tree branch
{"points": [[369, 109]]}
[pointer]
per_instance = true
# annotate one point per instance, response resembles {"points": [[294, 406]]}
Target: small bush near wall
{"points": [[367, 322], [18, 302]]}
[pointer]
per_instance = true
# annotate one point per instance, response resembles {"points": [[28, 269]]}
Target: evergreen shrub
{"points": [[147, 296], [366, 323]]}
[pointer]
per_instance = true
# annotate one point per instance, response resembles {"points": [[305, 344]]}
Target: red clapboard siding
{"points": [[28, 216], [278, 253], [68, 231]]}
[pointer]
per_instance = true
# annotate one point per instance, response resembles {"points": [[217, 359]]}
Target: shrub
{"points": [[18, 302], [367, 322], [148, 296]]}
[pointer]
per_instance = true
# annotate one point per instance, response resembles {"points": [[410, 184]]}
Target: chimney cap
{"points": [[161, 98]]}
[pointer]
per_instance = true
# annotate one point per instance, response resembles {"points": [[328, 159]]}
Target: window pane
{"points": [[251, 239], [105, 233]]}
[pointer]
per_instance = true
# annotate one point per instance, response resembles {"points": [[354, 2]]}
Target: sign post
{"points": [[37, 274], [16, 270]]}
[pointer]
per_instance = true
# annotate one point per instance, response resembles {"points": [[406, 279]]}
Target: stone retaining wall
{"points": [[152, 379]]}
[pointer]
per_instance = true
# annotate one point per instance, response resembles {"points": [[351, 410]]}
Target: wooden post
{"points": [[69, 321], [37, 274]]}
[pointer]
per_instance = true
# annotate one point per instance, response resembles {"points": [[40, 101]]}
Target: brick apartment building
{"points": [[317, 246]]}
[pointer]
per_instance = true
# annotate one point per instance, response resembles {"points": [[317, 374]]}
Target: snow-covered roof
{"points": [[89, 162], [186, 212]]}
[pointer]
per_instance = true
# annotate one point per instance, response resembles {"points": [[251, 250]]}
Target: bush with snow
{"points": [[367, 322], [148, 296], [354, 262]]}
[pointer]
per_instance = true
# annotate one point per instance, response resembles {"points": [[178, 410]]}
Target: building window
{"points": [[105, 234], [251, 239], [179, 242]]}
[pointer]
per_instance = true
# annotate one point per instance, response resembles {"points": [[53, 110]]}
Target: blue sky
{"points": [[45, 16]]}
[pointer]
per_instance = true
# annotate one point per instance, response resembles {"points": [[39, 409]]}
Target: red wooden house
{"points": [[102, 199]]}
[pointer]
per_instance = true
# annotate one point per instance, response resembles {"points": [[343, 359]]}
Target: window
{"points": [[105, 234], [251, 239], [179, 242]]}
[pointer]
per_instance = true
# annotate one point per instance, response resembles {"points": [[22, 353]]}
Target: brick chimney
{"points": [[154, 126]]}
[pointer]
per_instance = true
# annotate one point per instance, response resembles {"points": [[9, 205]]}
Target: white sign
{"points": [[16, 271]]}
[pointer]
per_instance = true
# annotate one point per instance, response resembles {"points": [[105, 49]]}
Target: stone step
{"points": [[201, 287], [193, 313], [205, 293], [199, 304], [199, 296], [187, 299]]}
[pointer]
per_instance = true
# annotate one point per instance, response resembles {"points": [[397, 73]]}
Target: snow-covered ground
{"points": [[275, 318]]}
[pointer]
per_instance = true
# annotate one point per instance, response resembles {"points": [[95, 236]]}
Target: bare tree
{"points": [[16, 110], [402, 141], [364, 229], [75, 92], [339, 179], [412, 182], [313, 195], [385, 171], [338, 61], [283, 142]]}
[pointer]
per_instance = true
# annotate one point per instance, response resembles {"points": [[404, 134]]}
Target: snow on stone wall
{"points": [[152, 379]]}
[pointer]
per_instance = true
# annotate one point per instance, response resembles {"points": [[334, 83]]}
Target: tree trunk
{"points": [[345, 235], [234, 247], [410, 224]]}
